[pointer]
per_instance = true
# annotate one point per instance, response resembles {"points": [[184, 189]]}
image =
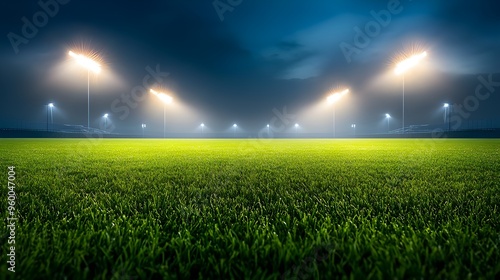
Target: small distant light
{"points": [[202, 125], [51, 105], [267, 125], [387, 115], [143, 125], [446, 105], [235, 125], [296, 125], [105, 115]]}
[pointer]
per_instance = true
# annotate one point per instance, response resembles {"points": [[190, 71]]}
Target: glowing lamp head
{"points": [[409, 63], [387, 116], [446, 105], [296, 125], [163, 97], [51, 105], [143, 125], [106, 116], [334, 97], [267, 125], [86, 62], [235, 125], [202, 125]]}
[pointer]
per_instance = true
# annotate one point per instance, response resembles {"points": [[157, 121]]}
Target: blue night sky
{"points": [[241, 63]]}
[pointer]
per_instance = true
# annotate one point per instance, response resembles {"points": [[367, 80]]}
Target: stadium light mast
{"points": [[90, 65], [403, 67], [49, 108], [202, 128], [143, 127], [446, 107], [353, 126], [388, 117], [105, 121], [296, 129], [166, 99], [332, 99], [267, 129], [234, 130]]}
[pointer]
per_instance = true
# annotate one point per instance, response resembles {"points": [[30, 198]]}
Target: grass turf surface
{"points": [[279, 209]]}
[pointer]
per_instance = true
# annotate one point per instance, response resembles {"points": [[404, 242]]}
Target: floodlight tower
{"points": [[90, 65], [268, 129], [388, 117], [202, 127], [49, 108], [166, 99], [332, 99], [105, 121], [296, 129], [402, 68], [234, 130], [446, 107], [143, 127]]}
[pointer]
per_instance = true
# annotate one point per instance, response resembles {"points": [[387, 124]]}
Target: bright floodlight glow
{"points": [[446, 105], [334, 97], [143, 125], [86, 62], [353, 125], [105, 115], [235, 125], [267, 125], [162, 96], [202, 125], [51, 105], [411, 62], [296, 125], [387, 115]]}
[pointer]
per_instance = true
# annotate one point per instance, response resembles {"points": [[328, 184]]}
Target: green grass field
{"points": [[250, 209]]}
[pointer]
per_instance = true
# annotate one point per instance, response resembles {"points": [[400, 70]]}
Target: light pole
{"points": [[202, 127], [267, 129], [90, 65], [143, 127], [234, 130], [105, 121], [446, 107], [353, 126], [402, 68], [388, 117], [332, 99], [49, 107], [166, 100], [296, 129]]}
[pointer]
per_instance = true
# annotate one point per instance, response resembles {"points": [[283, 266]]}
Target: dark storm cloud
{"points": [[264, 55]]}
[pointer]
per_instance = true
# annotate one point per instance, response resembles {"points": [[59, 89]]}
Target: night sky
{"points": [[243, 61]]}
